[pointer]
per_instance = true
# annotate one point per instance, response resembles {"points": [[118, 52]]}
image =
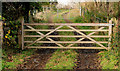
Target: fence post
{"points": [[43, 9], [110, 35], [22, 33], [80, 11]]}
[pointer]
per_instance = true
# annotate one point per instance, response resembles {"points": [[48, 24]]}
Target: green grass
{"points": [[110, 59], [62, 59], [17, 58]]}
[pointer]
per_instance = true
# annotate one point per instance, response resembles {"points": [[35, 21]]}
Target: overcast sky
{"points": [[65, 2]]}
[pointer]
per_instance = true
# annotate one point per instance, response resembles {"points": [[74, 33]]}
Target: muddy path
{"points": [[87, 59], [38, 60]]}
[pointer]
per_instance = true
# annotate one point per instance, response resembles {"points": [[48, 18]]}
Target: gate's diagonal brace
{"points": [[35, 30], [45, 35], [55, 42], [87, 37], [84, 38]]}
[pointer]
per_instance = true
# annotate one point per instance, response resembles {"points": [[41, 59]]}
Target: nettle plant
{"points": [[10, 34]]}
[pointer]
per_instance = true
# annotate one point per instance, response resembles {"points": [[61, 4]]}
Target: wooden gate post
{"points": [[110, 34], [22, 33], [115, 30], [1, 30]]}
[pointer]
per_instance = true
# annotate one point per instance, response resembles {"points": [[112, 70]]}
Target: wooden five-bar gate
{"points": [[32, 40]]}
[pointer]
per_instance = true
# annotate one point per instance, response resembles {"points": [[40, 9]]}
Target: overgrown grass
{"points": [[12, 59], [110, 59], [62, 59]]}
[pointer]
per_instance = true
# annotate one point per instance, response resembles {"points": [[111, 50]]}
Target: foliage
{"points": [[11, 34], [0, 17], [13, 10], [103, 8], [62, 59], [79, 20], [37, 5]]}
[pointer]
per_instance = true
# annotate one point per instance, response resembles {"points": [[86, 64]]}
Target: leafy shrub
{"points": [[79, 20], [11, 34]]}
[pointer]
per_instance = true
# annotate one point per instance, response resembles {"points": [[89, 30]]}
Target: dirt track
{"points": [[87, 59], [38, 60]]}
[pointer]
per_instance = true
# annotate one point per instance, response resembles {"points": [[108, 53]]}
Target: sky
{"points": [[66, 2]]}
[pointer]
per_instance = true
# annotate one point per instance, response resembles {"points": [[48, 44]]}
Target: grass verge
{"points": [[62, 59], [109, 59], [10, 61]]}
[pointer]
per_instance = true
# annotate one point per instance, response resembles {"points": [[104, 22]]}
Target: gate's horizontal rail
{"points": [[64, 42], [100, 36], [62, 30], [70, 24], [68, 47]]}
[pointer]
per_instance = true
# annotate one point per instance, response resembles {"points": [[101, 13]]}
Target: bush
{"points": [[11, 34]]}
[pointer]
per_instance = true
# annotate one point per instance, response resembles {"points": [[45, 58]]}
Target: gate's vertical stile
{"points": [[23, 34], [110, 34]]}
